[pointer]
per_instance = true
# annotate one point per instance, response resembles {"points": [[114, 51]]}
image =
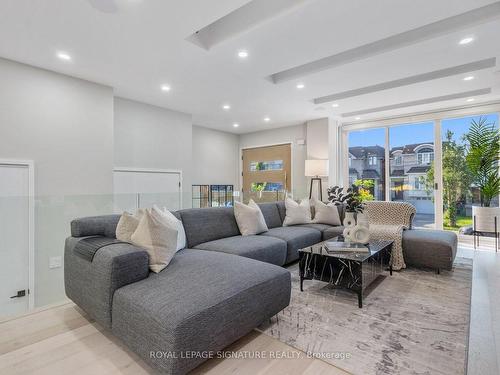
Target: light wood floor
{"points": [[62, 340]]}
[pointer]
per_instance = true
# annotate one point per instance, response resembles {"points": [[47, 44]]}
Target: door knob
{"points": [[20, 293]]}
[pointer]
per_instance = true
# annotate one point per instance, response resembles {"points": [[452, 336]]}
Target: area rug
{"points": [[414, 322]]}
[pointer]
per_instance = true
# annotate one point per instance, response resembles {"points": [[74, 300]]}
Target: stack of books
{"points": [[346, 247]]}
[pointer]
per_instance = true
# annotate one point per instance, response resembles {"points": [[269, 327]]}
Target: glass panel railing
{"points": [[33, 231]]}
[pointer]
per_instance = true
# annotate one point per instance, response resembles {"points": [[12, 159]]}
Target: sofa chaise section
{"points": [[202, 302]]}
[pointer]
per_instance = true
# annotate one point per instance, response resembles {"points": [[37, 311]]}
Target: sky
{"points": [[415, 133]]}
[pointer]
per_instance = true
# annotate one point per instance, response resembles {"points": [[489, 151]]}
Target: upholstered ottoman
{"points": [[429, 248]]}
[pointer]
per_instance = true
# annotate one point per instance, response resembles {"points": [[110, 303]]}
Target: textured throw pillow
{"points": [[249, 218], [325, 213], [159, 240], [297, 213], [127, 225], [171, 221]]}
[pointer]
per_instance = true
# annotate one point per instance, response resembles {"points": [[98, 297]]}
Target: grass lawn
{"points": [[462, 221]]}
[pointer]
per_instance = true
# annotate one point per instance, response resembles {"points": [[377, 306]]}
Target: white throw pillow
{"points": [[171, 221], [325, 213], [158, 239], [297, 213], [127, 225], [249, 218]]}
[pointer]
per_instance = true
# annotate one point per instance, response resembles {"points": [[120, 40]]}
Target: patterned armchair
{"points": [[390, 213], [387, 221]]}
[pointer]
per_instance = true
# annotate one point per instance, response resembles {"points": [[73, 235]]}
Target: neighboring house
{"points": [[408, 172], [408, 167], [367, 163]]}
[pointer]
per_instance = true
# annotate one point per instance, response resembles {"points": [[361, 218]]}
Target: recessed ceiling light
{"points": [[357, 118], [267, 119], [235, 125], [226, 107], [300, 86], [242, 54], [165, 88], [64, 56], [335, 105], [466, 40], [469, 78], [470, 99]]}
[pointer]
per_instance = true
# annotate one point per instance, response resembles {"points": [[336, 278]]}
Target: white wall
{"points": [[146, 136], [299, 152], [65, 125], [317, 148], [215, 157]]}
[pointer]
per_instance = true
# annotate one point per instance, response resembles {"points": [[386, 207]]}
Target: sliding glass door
{"points": [[411, 169], [459, 191], [420, 163]]}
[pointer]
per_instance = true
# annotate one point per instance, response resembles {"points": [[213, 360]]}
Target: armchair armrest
{"points": [[91, 285]]}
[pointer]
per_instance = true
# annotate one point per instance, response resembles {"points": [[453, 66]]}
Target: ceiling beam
{"points": [[435, 99], [432, 30], [437, 74]]}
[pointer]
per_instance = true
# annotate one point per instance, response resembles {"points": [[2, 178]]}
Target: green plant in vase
{"points": [[482, 160]]}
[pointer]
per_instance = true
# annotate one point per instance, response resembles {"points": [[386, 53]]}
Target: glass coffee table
{"points": [[349, 270]]}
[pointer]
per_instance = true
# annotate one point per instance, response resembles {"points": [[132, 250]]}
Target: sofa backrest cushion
{"points": [[208, 224], [281, 209], [95, 226], [271, 214]]}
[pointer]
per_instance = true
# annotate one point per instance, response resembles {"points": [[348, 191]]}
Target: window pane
{"points": [[460, 191], [273, 165], [367, 160], [411, 169], [267, 186]]}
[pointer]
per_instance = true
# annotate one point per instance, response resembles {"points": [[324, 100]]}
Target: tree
{"points": [[456, 177], [365, 188]]}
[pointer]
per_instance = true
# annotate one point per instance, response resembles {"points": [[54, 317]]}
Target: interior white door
{"points": [[14, 239], [141, 189]]}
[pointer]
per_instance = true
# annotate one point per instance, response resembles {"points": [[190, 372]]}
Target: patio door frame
{"points": [[386, 123]]}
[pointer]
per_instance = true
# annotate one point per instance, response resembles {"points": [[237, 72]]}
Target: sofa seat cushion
{"points": [[429, 248], [333, 232], [296, 238], [317, 226], [266, 249], [202, 302]]}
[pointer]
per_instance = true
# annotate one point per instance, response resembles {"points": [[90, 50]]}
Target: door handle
{"points": [[20, 293]]}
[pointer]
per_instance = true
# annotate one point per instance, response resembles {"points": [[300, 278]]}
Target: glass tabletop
{"points": [[321, 249]]}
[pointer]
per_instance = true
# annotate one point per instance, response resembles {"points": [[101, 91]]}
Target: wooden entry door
{"points": [[266, 173]]}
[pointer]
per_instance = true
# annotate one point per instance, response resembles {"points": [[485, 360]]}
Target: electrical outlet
{"points": [[55, 262]]}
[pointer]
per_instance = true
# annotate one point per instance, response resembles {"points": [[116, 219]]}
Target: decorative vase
{"points": [[359, 234], [484, 218], [349, 220], [347, 234]]}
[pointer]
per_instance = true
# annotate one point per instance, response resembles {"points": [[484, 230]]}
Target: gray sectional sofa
{"points": [[212, 293]]}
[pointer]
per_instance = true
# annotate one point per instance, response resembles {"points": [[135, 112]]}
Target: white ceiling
{"points": [[144, 46]]}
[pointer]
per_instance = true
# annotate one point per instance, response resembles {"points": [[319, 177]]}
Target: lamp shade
{"points": [[317, 167]]}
